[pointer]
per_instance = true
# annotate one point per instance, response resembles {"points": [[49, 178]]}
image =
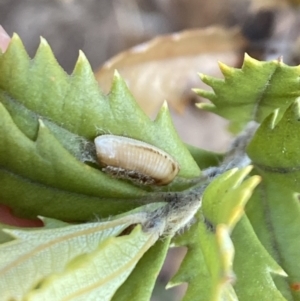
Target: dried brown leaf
{"points": [[167, 66]]}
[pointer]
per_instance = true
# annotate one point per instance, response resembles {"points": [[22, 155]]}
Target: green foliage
{"points": [[227, 197], [205, 158], [208, 264], [85, 267], [48, 119], [140, 283], [96, 275], [275, 210], [243, 243], [253, 266], [252, 92], [265, 92]]}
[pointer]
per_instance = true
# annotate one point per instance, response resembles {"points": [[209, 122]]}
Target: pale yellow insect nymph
{"points": [[135, 160]]}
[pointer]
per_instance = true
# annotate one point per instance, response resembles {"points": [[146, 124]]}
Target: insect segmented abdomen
{"points": [[136, 160]]}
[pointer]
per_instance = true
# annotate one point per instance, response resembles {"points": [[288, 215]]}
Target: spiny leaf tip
{"points": [[15, 37], [43, 42], [226, 70], [82, 57], [165, 105], [116, 74], [163, 113], [248, 60]]}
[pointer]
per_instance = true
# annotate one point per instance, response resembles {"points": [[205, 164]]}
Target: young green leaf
{"points": [[207, 266], [95, 256], [252, 92], [98, 274], [225, 198]]}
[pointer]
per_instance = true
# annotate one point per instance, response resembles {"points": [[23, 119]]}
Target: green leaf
{"points": [[193, 269], [218, 253], [48, 223], [275, 148], [253, 266], [4, 237], [48, 122], [207, 266], [252, 92], [274, 210], [35, 253], [204, 158], [227, 196], [96, 275], [140, 283], [52, 179], [47, 154]]}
